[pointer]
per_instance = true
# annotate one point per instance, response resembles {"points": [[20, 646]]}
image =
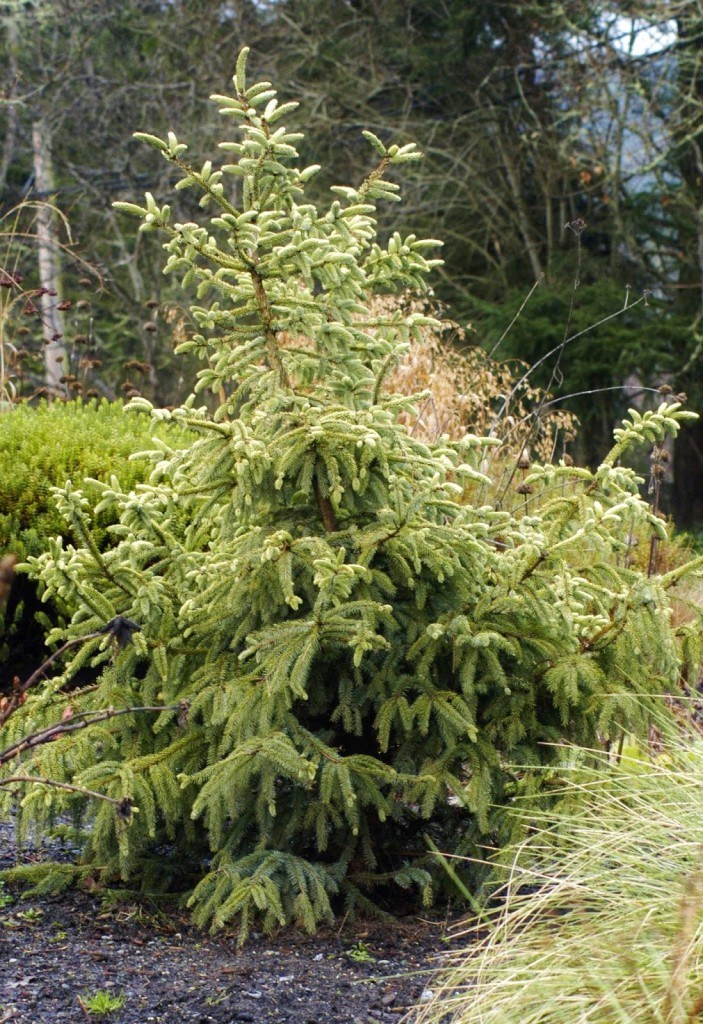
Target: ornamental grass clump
{"points": [[315, 656], [600, 918]]}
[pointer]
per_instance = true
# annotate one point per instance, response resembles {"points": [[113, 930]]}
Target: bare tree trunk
{"points": [[523, 217], [8, 147], [54, 350]]}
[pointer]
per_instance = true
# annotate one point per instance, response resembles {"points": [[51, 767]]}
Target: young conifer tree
{"points": [[320, 657]]}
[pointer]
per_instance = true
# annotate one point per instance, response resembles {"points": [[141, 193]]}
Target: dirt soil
{"points": [[58, 952]]}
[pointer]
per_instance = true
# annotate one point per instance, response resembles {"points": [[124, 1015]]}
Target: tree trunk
{"points": [[523, 217], [8, 146], [54, 350]]}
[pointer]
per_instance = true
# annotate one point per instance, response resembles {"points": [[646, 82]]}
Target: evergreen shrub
{"points": [[321, 658], [41, 447]]}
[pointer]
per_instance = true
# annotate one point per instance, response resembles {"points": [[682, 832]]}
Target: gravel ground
{"points": [[59, 952]]}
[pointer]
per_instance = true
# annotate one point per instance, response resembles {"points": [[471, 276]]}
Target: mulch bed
{"points": [[57, 952]]}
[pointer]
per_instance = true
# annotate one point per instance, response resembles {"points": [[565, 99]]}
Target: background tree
{"points": [[82, 74]]}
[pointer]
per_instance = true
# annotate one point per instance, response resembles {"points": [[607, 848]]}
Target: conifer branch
{"points": [[329, 519], [374, 176], [541, 557], [87, 537], [382, 374], [273, 353], [76, 721], [691, 568], [607, 635], [18, 693], [124, 805], [214, 194], [209, 252]]}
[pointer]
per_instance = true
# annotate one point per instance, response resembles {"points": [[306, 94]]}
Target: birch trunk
{"points": [[49, 270]]}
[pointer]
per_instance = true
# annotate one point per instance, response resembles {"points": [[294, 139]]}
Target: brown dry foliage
{"points": [[470, 393]]}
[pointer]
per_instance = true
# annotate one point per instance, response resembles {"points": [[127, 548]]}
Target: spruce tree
{"points": [[314, 655]]}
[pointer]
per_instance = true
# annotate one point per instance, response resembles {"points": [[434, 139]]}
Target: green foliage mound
{"points": [[41, 447], [324, 658]]}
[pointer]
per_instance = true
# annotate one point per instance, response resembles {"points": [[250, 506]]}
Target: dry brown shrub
{"points": [[470, 392]]}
